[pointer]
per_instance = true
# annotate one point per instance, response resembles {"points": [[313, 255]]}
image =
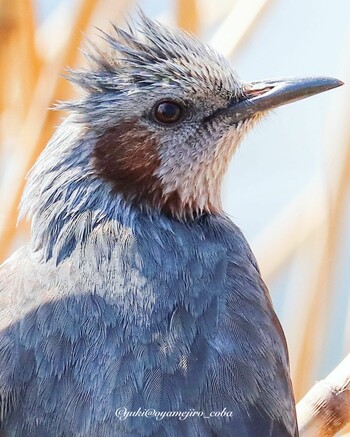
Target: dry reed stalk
{"points": [[298, 223], [9, 74], [187, 15], [38, 126], [325, 409], [27, 56], [238, 25]]}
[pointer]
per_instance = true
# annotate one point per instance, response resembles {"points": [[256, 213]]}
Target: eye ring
{"points": [[168, 112]]}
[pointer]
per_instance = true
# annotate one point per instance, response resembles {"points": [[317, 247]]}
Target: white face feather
{"points": [[197, 177]]}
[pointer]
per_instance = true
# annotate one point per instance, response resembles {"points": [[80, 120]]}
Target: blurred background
{"points": [[287, 187]]}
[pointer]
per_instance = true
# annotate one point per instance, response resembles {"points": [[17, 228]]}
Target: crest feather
{"points": [[149, 54]]}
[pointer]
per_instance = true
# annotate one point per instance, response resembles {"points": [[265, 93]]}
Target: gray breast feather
{"points": [[182, 323]]}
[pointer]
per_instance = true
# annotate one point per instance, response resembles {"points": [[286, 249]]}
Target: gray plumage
{"points": [[117, 304]]}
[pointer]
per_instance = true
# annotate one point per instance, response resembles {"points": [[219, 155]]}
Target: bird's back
{"points": [[165, 318]]}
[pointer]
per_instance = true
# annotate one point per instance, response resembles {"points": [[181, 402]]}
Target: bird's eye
{"points": [[168, 112]]}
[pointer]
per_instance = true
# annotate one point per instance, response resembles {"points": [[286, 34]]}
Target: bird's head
{"points": [[168, 112]]}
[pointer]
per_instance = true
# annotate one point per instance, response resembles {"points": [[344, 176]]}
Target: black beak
{"points": [[262, 96]]}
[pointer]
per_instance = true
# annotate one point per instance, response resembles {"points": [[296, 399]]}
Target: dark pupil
{"points": [[168, 112]]}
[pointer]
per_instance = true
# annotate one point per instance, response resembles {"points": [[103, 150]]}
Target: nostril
{"points": [[257, 90]]}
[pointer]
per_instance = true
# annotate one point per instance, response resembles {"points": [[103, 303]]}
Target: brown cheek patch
{"points": [[126, 156]]}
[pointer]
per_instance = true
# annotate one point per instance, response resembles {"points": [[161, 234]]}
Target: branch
{"points": [[326, 407]]}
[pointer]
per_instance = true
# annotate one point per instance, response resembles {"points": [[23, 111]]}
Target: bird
{"points": [[137, 308]]}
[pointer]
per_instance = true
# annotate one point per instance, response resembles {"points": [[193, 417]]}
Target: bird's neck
{"points": [[65, 199]]}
